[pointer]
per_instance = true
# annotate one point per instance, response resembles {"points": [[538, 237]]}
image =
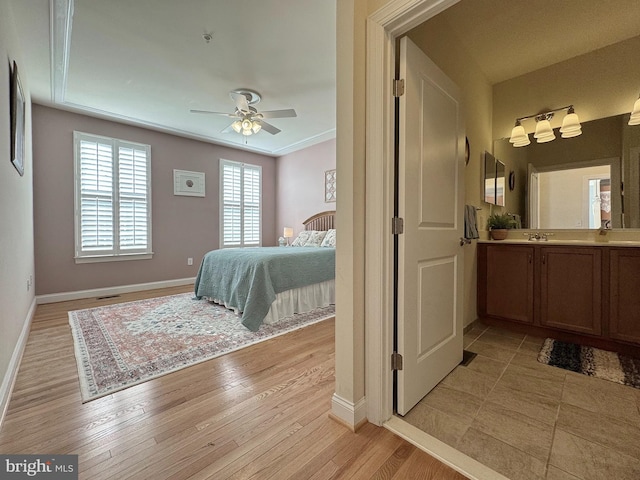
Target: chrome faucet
{"points": [[537, 236]]}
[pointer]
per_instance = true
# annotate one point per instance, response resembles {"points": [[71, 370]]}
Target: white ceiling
{"points": [[145, 61]]}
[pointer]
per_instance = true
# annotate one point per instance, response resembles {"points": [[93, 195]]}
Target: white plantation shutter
{"points": [[241, 209], [133, 177], [113, 197]]}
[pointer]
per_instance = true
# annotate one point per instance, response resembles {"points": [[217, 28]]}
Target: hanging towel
{"points": [[470, 222]]}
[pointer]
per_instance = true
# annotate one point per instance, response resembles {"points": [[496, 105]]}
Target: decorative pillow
{"points": [[301, 239], [329, 239], [316, 238]]}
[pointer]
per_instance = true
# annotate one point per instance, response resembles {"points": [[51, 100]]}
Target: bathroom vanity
{"points": [[577, 291]]}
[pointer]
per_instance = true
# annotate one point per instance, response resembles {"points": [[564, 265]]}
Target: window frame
{"points": [[116, 253], [242, 166]]}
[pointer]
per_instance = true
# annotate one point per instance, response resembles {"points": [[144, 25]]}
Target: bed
{"points": [[268, 284]]}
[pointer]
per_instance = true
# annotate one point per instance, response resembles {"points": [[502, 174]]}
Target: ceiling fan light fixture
{"points": [[237, 126], [256, 127]]}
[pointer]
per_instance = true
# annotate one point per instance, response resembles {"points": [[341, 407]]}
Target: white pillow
{"points": [[316, 238], [329, 239], [301, 239]]}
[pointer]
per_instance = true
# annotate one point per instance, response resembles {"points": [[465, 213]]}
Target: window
{"points": [[240, 204], [112, 199]]}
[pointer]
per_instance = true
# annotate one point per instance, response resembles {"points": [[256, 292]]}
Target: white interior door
{"points": [[431, 196]]}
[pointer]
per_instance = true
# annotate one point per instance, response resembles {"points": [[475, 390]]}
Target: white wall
{"points": [[563, 201], [16, 217]]}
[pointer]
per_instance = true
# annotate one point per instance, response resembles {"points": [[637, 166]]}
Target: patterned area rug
{"points": [[590, 361], [122, 345]]}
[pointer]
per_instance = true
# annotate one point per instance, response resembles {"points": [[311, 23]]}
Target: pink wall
{"points": [[182, 226], [300, 185], [16, 226]]}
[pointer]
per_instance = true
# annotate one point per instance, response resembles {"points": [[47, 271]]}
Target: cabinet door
{"points": [[507, 282], [624, 309], [570, 289]]}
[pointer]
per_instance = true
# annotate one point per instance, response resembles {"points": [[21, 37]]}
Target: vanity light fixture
{"points": [[544, 133], [635, 114]]}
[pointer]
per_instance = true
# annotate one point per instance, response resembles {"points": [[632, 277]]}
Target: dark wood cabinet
{"points": [[508, 287], [624, 294], [584, 294], [570, 288]]}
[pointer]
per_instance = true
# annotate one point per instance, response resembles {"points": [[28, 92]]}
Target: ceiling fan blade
{"points": [[229, 129], [269, 128], [232, 115], [241, 101], [278, 113]]}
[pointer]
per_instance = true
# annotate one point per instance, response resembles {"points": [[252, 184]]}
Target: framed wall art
{"points": [[190, 184], [330, 186], [17, 121]]}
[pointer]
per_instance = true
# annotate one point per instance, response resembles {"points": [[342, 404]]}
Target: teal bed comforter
{"points": [[248, 279]]}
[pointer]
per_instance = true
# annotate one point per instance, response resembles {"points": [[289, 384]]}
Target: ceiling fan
{"points": [[248, 119]]}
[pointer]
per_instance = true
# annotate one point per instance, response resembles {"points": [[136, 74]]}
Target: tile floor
{"points": [[531, 421]]}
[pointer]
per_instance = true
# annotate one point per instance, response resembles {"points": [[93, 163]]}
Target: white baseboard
{"points": [[103, 292], [351, 414], [10, 375]]}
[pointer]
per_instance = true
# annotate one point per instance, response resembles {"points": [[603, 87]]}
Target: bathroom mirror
{"points": [[494, 180], [577, 170]]}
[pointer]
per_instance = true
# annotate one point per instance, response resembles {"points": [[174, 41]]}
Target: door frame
{"points": [[383, 28]]}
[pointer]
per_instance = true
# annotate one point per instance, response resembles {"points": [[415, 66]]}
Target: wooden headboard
{"points": [[321, 221]]}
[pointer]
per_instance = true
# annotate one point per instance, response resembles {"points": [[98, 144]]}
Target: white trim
{"points": [[352, 414], [103, 292], [136, 122], [61, 21], [114, 258], [383, 27], [11, 374], [378, 239], [457, 460]]}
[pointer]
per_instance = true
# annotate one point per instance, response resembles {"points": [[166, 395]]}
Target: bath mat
{"points": [[591, 361]]}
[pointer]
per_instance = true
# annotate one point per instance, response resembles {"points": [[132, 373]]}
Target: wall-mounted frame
{"points": [[190, 184], [330, 186], [17, 121]]}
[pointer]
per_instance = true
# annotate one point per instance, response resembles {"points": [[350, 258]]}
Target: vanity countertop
{"points": [[568, 242]]}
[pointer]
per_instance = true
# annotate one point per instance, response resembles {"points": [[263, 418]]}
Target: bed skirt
{"points": [[301, 300], [297, 300]]}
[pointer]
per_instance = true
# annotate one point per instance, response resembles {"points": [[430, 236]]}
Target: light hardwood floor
{"points": [[259, 413]]}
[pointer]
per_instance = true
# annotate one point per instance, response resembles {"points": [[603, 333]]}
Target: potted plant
{"points": [[498, 224]]}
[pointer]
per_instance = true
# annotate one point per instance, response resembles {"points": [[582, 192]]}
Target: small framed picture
{"points": [[17, 121], [189, 184], [330, 186]]}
